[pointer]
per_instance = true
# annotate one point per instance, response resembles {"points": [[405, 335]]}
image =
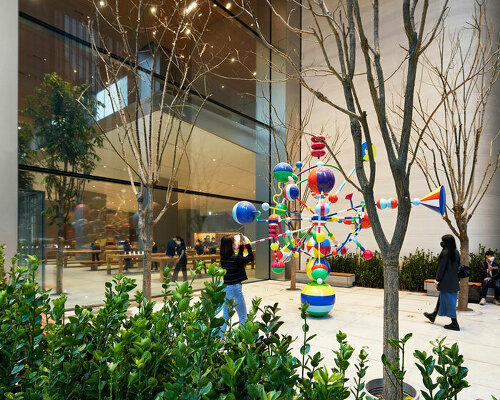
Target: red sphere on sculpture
{"points": [[367, 254]]}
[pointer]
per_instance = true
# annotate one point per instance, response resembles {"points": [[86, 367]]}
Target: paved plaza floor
{"points": [[85, 287], [358, 312]]}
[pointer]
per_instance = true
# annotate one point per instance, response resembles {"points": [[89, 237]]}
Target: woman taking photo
{"points": [[447, 283], [234, 264]]}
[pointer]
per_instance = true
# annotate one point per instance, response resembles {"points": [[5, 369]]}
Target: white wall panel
{"points": [[425, 227], [8, 126]]}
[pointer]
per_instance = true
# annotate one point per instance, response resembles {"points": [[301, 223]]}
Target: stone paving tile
{"points": [[358, 312]]}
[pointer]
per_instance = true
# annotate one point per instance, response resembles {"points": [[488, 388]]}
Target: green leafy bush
{"points": [[416, 268], [369, 273], [175, 350]]}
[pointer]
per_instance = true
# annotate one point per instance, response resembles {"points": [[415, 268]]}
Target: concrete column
{"points": [[8, 125]]}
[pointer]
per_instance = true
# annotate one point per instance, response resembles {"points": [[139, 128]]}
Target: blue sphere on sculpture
{"points": [[244, 212]]}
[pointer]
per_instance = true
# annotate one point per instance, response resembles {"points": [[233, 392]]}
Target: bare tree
{"points": [[159, 49], [340, 35], [452, 133]]}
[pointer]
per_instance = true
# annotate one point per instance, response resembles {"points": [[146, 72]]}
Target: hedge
{"points": [[178, 351], [415, 268]]}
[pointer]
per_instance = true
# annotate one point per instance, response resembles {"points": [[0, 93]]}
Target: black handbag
{"points": [[463, 271]]}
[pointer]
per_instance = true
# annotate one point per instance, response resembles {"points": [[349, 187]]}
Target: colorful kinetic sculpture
{"points": [[316, 239]]}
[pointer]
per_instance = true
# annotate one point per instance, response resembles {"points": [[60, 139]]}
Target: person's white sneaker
{"points": [[496, 302], [482, 301]]}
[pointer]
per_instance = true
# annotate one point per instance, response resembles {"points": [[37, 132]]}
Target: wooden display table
{"points": [[75, 252]]}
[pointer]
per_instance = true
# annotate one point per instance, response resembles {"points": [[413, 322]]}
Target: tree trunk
{"points": [[293, 264], [391, 319], [463, 296], [146, 237], [60, 256]]}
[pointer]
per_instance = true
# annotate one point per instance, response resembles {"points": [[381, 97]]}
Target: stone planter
{"points": [[374, 388]]}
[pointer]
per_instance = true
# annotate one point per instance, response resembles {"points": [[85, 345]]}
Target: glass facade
{"points": [[226, 160]]}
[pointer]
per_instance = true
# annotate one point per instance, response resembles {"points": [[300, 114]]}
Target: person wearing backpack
{"points": [[447, 283]]}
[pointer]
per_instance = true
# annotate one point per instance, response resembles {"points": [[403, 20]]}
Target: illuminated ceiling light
{"points": [[214, 159], [222, 86], [200, 14], [18, 128], [188, 31], [233, 59], [190, 8], [75, 71], [153, 9], [254, 73], [154, 33], [102, 3], [228, 5], [210, 213]]}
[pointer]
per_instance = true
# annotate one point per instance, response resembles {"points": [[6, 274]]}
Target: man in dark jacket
{"points": [[491, 277], [171, 247]]}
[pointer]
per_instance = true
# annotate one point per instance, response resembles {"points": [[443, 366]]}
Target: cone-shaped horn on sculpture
{"points": [[435, 200]]}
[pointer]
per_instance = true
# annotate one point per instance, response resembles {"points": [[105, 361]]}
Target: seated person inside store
{"points": [[491, 277], [199, 248], [213, 246]]}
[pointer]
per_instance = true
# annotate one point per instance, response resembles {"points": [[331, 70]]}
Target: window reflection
{"points": [[105, 217]]}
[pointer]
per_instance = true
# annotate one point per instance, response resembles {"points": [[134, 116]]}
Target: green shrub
{"points": [[176, 352], [369, 273], [347, 263], [416, 268]]}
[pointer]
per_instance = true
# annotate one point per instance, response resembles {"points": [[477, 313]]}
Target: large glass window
{"points": [[104, 217], [110, 96], [224, 157], [232, 84], [226, 153]]}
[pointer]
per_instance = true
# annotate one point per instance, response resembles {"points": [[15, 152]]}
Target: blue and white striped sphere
{"points": [[320, 297], [244, 212]]}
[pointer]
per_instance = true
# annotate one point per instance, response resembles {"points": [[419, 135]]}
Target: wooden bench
{"points": [[93, 264], [432, 291], [341, 279]]}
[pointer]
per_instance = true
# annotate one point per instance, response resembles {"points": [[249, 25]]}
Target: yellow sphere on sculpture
{"points": [[274, 246], [320, 237]]}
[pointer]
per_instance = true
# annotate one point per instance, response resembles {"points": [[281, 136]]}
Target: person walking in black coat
{"points": [[447, 283]]}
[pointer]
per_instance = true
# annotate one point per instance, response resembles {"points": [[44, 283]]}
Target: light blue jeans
{"points": [[234, 292]]}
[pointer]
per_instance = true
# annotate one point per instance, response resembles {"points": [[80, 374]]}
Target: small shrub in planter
{"points": [[416, 268], [370, 273], [175, 352]]}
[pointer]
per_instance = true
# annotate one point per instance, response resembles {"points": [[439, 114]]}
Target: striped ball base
{"points": [[320, 297]]}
